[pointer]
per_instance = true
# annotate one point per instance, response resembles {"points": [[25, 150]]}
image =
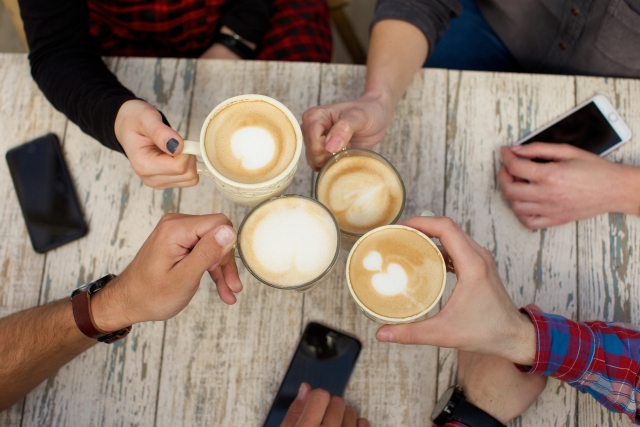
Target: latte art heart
{"points": [[391, 282], [395, 272], [253, 146]]}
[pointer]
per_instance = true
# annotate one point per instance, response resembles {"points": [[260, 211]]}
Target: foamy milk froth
{"points": [[289, 241], [362, 192], [250, 141], [395, 272]]}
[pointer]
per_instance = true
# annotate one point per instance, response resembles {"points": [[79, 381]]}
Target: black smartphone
{"points": [[594, 126], [47, 198], [325, 358]]}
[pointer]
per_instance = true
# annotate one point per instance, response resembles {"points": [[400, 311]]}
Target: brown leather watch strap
{"points": [[81, 304], [82, 314]]}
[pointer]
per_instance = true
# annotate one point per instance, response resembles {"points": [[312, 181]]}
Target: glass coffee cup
{"points": [[363, 190], [289, 242]]}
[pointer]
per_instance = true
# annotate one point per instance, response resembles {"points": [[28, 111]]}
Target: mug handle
{"points": [[193, 148]]}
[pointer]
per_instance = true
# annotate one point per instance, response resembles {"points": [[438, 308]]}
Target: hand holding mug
{"points": [[165, 274], [479, 316], [317, 408], [152, 147], [360, 123]]}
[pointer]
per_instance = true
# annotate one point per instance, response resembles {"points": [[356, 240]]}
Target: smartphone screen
{"points": [[325, 358], [586, 128], [45, 192]]}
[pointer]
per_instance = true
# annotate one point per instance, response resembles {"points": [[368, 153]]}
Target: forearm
{"points": [[34, 344], [66, 64], [397, 51], [598, 358]]}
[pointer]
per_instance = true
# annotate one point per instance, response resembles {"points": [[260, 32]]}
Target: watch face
{"points": [[442, 402]]}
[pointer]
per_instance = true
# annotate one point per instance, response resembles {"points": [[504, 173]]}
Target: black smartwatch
{"points": [[453, 406], [236, 45]]}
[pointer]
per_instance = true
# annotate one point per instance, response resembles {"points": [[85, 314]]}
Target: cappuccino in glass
{"points": [[289, 242]]}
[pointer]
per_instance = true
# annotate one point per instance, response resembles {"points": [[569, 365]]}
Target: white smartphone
{"points": [[594, 126]]}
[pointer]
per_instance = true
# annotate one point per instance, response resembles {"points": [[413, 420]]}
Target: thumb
{"points": [[423, 332], [349, 122], [210, 250], [296, 408], [547, 151], [161, 134]]}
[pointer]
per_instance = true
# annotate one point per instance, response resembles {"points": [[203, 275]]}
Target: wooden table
{"points": [[221, 366]]}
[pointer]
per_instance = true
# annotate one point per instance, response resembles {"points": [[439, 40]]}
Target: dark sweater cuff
{"points": [[107, 134], [253, 33]]}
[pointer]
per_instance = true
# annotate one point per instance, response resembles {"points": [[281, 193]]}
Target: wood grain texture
{"points": [[609, 244], [487, 110], [111, 384], [392, 385], [222, 365], [26, 115]]}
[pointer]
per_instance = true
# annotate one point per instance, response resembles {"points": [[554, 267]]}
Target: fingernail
{"points": [[385, 336], [333, 144], [302, 391], [225, 236], [172, 145]]}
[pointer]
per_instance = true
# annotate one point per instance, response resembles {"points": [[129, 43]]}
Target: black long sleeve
{"points": [[67, 67], [250, 19]]}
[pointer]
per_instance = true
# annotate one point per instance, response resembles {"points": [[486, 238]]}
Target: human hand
{"points": [[358, 123], [576, 184], [166, 272], [479, 316], [153, 147], [317, 408], [496, 386]]}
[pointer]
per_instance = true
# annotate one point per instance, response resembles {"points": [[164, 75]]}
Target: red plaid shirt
{"points": [[599, 358], [299, 29]]}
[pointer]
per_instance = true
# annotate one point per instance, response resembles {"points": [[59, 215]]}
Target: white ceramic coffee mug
{"points": [[378, 318], [237, 192]]}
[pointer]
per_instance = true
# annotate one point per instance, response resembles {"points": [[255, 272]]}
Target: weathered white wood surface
{"points": [[120, 381], [487, 110], [609, 244], [26, 115], [222, 365], [219, 365], [391, 385]]}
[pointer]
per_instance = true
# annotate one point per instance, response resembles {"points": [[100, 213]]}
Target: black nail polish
{"points": [[172, 145]]}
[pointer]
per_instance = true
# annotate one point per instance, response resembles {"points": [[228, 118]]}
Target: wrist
{"points": [[226, 30], [628, 182], [520, 345], [380, 92], [108, 307]]}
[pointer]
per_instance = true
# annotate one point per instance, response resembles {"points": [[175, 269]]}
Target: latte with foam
{"points": [[289, 241], [362, 191], [395, 272], [250, 141]]}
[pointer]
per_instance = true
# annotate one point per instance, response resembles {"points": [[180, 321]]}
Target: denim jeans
{"points": [[471, 44]]}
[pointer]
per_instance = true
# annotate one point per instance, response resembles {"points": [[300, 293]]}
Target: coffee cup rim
{"points": [[243, 98], [306, 284], [393, 320], [346, 151]]}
